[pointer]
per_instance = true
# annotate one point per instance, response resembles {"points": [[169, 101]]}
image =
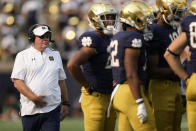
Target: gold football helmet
{"points": [[98, 16], [135, 14], [172, 10], [192, 8]]}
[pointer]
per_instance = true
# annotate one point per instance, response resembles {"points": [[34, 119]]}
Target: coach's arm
{"points": [[64, 99], [23, 89]]}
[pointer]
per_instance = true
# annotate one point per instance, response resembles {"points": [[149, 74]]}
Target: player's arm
{"points": [[172, 55], [81, 57], [131, 67], [23, 89]]}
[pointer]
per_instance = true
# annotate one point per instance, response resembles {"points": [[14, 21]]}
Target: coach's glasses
{"points": [[46, 35]]}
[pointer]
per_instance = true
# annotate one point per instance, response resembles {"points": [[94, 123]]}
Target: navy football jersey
{"points": [[121, 41], [189, 27], [162, 37], [94, 70]]}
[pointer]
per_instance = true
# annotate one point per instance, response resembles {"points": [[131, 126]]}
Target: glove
{"points": [[141, 110]]}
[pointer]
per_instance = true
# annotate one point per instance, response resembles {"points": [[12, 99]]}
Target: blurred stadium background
{"points": [[68, 20]]}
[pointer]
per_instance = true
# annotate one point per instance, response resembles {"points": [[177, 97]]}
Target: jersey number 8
{"points": [[192, 28]]}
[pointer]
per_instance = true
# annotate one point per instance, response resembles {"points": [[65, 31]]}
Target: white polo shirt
{"points": [[41, 73]]}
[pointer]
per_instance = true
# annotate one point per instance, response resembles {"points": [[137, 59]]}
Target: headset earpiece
{"points": [[31, 36]]}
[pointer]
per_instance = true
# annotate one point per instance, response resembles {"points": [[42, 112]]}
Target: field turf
{"points": [[69, 124]]}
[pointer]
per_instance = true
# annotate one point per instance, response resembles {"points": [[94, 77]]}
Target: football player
{"points": [[164, 85], [187, 37], [128, 60], [96, 78]]}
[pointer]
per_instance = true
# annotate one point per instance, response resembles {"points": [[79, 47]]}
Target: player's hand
{"points": [[39, 101], [141, 111], [114, 83], [88, 89], [64, 111]]}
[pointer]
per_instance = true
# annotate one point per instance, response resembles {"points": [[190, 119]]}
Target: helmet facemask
{"points": [[176, 16], [154, 13], [147, 32], [102, 16], [108, 23]]}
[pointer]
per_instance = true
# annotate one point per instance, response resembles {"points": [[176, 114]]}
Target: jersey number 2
{"points": [[114, 51]]}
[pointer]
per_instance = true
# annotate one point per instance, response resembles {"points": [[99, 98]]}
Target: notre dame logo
{"points": [[86, 41], [137, 43], [51, 58]]}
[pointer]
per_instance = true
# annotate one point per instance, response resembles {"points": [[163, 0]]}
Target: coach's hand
{"points": [[141, 110], [64, 111], [39, 101]]}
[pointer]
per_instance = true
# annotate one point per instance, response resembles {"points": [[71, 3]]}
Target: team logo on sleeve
{"points": [[137, 43], [86, 41]]}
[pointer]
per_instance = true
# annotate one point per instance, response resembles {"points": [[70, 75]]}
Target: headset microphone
{"points": [[53, 41]]}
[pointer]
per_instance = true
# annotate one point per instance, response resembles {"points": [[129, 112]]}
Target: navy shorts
{"points": [[44, 121]]}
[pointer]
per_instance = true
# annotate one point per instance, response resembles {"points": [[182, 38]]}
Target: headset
{"points": [[31, 35]]}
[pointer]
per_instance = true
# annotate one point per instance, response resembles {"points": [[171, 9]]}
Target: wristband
{"points": [[65, 103], [186, 78], [139, 101], [189, 75], [171, 52]]}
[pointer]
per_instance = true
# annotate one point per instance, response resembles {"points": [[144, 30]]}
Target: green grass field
{"points": [[69, 124]]}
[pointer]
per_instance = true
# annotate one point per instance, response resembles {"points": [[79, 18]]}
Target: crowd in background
{"points": [[67, 19]]}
